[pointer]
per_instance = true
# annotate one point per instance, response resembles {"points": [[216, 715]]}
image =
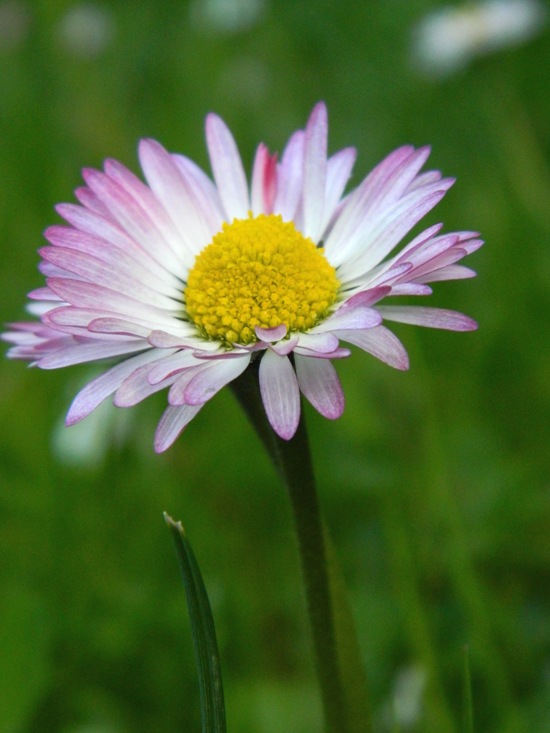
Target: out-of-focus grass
{"points": [[435, 482]]}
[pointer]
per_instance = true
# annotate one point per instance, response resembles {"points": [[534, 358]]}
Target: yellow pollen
{"points": [[261, 272]]}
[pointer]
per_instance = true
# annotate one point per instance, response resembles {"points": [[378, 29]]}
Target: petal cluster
{"points": [[116, 273]]}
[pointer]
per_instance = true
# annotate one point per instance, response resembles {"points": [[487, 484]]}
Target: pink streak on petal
{"points": [[227, 168], [319, 382], [280, 394], [264, 181]]}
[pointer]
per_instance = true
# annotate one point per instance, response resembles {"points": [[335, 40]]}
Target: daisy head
{"points": [[183, 281]]}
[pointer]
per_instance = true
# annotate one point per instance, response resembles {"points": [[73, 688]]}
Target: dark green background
{"points": [[434, 482]]}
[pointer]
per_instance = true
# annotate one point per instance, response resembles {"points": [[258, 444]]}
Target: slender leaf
{"points": [[204, 634]]}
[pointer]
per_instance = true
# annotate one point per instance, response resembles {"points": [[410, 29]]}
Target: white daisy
{"points": [[185, 281]]}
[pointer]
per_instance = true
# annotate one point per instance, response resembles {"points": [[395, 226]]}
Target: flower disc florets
{"points": [[260, 272]]}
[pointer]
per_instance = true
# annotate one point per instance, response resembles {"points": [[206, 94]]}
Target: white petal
{"points": [[89, 295], [319, 382], [359, 317], [103, 386], [271, 334], [280, 394], [209, 381], [315, 172], [227, 168], [106, 229], [205, 190], [367, 248], [115, 275], [381, 343], [451, 272], [131, 260], [176, 194], [429, 317], [173, 421], [324, 343], [88, 199], [81, 353], [289, 177], [339, 168], [357, 203], [136, 218]]}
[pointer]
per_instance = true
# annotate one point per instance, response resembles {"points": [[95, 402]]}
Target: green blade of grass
{"points": [[204, 634]]}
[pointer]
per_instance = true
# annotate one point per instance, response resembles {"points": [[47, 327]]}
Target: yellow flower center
{"points": [[261, 272]]}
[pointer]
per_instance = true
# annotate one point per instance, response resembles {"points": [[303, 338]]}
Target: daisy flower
{"points": [[185, 281]]}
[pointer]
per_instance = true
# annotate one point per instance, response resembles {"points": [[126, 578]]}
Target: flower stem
{"points": [[292, 459]]}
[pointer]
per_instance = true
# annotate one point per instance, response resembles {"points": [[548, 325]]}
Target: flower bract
{"points": [[182, 281]]}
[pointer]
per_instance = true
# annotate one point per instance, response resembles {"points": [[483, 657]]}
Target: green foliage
{"points": [[435, 482]]}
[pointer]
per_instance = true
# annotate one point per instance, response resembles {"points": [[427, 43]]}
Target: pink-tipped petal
{"points": [[319, 382], [428, 317], [323, 343], [359, 317], [451, 272], [96, 391], [381, 343], [270, 335], [210, 380], [171, 424], [280, 394], [93, 351]]}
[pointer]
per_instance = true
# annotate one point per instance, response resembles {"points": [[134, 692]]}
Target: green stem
{"points": [[292, 459]]}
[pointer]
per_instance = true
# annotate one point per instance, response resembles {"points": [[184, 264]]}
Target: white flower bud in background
{"points": [[448, 38], [86, 30], [226, 16]]}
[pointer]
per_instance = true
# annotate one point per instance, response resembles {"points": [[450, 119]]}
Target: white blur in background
{"points": [[86, 29], [449, 38]]}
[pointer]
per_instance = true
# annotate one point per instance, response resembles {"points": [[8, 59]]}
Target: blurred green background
{"points": [[435, 482]]}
